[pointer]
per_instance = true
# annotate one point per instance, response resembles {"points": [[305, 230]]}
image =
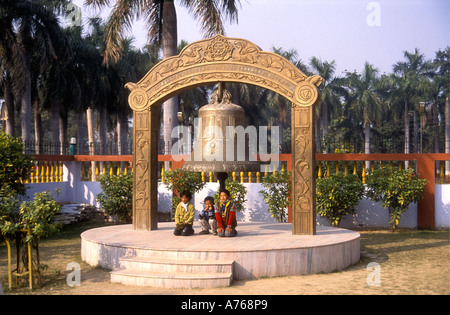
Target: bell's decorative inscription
{"points": [[223, 59]]}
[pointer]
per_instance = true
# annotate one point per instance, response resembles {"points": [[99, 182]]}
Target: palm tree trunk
{"points": [[324, 124], [437, 149], [37, 128], [9, 100], [122, 131], [90, 124], [317, 135], [447, 134], [435, 114], [80, 132], [169, 39], [102, 128], [416, 133], [407, 139], [367, 142], [55, 126], [62, 133], [25, 109], [102, 132]]}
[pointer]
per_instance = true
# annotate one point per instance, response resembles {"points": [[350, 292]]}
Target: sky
{"points": [[350, 32]]}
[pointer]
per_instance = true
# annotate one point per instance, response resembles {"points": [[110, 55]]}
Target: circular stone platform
{"points": [[259, 249]]}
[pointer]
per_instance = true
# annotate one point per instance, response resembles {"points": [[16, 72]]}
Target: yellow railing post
{"points": [[32, 176], [57, 171], [37, 174], [52, 171], [47, 172]]}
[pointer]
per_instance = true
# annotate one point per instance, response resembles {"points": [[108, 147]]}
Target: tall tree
{"points": [[364, 101], [34, 27], [411, 76], [331, 92], [161, 21]]}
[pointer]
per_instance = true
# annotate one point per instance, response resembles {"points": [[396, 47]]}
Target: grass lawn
{"points": [[409, 262]]}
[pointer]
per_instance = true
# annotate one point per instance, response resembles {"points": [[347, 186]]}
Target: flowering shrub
{"points": [[395, 191], [237, 191], [337, 196], [276, 193], [117, 195], [179, 180]]}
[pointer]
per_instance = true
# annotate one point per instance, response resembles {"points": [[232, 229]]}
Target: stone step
{"points": [[166, 265], [171, 280]]}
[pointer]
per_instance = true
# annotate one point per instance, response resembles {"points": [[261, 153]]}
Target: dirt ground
{"points": [[405, 262]]}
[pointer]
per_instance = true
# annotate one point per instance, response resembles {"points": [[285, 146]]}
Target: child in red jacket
{"points": [[225, 212]]}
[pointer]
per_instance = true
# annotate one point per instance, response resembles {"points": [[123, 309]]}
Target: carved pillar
{"points": [[303, 171], [145, 174]]}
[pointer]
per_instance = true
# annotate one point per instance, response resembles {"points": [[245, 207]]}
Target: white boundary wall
{"points": [[368, 214]]}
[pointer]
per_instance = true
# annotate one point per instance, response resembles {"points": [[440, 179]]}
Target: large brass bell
{"points": [[219, 145]]}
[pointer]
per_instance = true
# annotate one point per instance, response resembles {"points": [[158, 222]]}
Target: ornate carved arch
{"points": [[223, 59]]}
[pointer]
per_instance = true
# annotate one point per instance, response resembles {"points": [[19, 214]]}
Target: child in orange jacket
{"points": [[225, 213]]}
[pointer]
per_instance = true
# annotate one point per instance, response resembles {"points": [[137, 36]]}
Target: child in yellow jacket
{"points": [[184, 215]]}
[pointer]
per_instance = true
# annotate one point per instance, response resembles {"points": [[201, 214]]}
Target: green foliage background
{"points": [[117, 195], [179, 180], [277, 194]]}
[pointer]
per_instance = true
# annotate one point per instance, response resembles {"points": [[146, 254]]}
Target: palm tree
{"points": [[33, 27], [86, 67], [411, 78], [364, 101], [161, 21], [331, 92], [133, 65], [8, 95]]}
